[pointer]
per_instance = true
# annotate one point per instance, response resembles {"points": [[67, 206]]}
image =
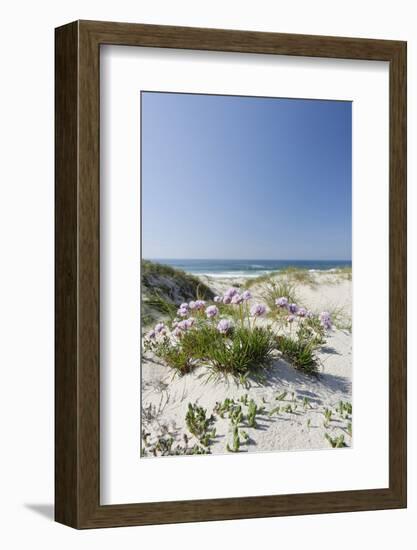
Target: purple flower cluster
{"points": [[237, 299], [224, 326], [229, 294], [325, 320], [295, 311], [232, 296], [183, 310], [212, 311], [257, 310], [282, 302], [246, 295], [159, 330], [182, 326], [198, 305], [302, 312]]}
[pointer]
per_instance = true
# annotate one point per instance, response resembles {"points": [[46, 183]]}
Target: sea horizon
{"points": [[225, 268]]}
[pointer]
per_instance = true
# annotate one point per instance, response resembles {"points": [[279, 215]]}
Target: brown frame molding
{"points": [[77, 274]]}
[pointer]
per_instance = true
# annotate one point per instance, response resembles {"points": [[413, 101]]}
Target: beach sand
{"points": [[169, 395]]}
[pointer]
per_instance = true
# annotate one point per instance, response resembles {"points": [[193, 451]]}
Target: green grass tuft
{"points": [[300, 353], [277, 289], [247, 351]]}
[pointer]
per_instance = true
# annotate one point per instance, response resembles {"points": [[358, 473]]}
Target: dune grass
{"points": [[290, 274], [164, 288], [299, 275], [245, 350], [277, 289], [344, 272], [265, 278], [190, 285], [299, 353]]}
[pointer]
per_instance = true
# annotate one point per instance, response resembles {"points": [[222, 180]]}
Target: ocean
{"points": [[249, 268]]}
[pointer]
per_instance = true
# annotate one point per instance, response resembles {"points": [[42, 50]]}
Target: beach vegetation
{"points": [[224, 407], [299, 353], [276, 289], [253, 410], [345, 409], [274, 410], [344, 272], [199, 424], [234, 448], [327, 417], [299, 275], [234, 341], [306, 403], [281, 396], [260, 279], [165, 287], [340, 319], [336, 442], [246, 350], [165, 445]]}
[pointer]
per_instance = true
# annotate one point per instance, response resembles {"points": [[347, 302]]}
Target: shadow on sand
{"points": [[282, 374]]}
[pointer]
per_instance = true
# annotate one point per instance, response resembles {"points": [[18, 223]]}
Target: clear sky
{"points": [[229, 177]]}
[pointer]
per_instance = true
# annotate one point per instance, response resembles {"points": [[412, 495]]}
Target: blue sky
{"points": [[231, 177]]}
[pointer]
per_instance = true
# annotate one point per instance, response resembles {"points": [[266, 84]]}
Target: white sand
{"points": [[303, 429]]}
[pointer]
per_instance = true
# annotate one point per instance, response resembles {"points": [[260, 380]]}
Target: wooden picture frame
{"points": [[77, 372]]}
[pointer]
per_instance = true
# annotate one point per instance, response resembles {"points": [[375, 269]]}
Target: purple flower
{"points": [[302, 312], [292, 308], [230, 292], [257, 310], [282, 302], [192, 305], [185, 324], [224, 326], [151, 334], [227, 299], [212, 311], [183, 312], [291, 318], [325, 320], [237, 299], [184, 306], [177, 332], [200, 304], [246, 295], [217, 299], [159, 328]]}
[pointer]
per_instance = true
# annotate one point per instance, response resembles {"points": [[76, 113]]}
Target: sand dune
{"points": [[166, 398]]}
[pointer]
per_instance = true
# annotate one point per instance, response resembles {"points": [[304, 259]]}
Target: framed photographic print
{"points": [[230, 274]]}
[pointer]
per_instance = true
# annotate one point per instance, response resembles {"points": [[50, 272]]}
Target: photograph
{"points": [[246, 274]]}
